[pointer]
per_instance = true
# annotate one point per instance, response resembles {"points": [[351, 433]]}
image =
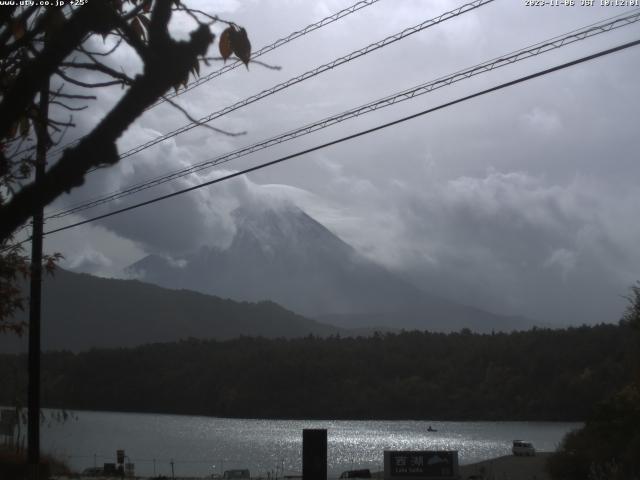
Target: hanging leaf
{"points": [[145, 21], [241, 45], [195, 69], [18, 29], [136, 26], [13, 130], [34, 114], [224, 44], [24, 125]]}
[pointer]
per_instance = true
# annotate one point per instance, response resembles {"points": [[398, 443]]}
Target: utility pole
{"points": [[33, 400]]}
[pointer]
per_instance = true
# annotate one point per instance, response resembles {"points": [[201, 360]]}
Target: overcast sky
{"points": [[524, 201]]}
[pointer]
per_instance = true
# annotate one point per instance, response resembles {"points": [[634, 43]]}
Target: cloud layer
{"points": [[522, 202]]}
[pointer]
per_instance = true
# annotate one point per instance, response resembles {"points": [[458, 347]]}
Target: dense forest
{"points": [[539, 374]]}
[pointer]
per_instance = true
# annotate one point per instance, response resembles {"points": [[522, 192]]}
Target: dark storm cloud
{"points": [[523, 201]]}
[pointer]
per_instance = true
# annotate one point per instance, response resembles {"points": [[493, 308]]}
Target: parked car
{"points": [[236, 474], [522, 448], [92, 472]]}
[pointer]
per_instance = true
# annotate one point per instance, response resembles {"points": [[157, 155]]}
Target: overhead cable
{"points": [[312, 73], [487, 66], [351, 137], [309, 74], [266, 49]]}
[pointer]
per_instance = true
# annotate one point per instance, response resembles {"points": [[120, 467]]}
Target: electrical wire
{"points": [[504, 60], [353, 136], [266, 49], [311, 73]]}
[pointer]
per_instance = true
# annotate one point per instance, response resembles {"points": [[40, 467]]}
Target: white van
{"points": [[526, 449]]}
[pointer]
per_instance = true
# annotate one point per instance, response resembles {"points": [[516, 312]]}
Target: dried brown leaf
{"points": [[18, 29], [145, 21], [137, 27], [241, 45], [13, 130], [224, 44], [24, 125], [195, 69]]}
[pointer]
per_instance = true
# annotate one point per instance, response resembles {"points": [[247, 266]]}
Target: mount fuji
{"points": [[285, 256]]}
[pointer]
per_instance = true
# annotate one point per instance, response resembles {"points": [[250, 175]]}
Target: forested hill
{"points": [[534, 375], [82, 312]]}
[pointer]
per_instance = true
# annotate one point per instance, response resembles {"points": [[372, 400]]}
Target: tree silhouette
{"points": [[54, 45]]}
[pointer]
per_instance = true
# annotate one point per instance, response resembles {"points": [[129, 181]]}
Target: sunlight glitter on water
{"points": [[200, 446]]}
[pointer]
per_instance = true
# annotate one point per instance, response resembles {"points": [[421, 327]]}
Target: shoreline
{"points": [[71, 410], [506, 467]]}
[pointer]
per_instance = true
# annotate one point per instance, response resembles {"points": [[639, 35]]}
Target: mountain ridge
{"points": [[80, 311], [286, 256]]}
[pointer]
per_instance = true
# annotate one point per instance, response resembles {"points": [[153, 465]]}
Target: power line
{"points": [[278, 43], [504, 60], [309, 74], [312, 73], [353, 136], [266, 49]]}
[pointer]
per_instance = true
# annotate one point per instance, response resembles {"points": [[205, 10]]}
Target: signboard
{"points": [[428, 464], [120, 456], [314, 454]]}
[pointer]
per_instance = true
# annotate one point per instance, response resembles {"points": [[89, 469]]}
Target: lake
{"points": [[199, 446]]}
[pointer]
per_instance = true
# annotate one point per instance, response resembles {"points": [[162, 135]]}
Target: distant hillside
{"points": [[286, 256], [533, 375], [81, 311]]}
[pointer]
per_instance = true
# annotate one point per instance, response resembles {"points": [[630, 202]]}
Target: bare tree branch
{"points": [[74, 96], [99, 67], [94, 16], [167, 62], [101, 54], [199, 123], [7, 48], [85, 84], [68, 107], [257, 62]]}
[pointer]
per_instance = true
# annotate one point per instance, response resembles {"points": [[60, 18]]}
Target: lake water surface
{"points": [[200, 446]]}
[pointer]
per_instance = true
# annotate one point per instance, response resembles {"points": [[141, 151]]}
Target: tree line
{"points": [[607, 446], [540, 374]]}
